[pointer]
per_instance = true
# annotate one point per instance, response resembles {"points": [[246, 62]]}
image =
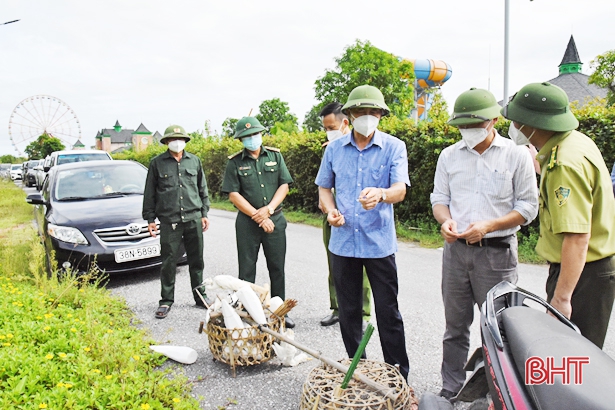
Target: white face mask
{"points": [[335, 134], [474, 136], [517, 136], [365, 124], [177, 145]]}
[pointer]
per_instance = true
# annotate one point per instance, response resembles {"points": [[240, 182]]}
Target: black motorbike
{"points": [[531, 360]]}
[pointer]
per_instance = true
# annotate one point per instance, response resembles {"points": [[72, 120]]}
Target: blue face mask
{"points": [[253, 142]]}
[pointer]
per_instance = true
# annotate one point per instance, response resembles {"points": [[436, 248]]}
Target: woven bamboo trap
{"points": [[319, 391]]}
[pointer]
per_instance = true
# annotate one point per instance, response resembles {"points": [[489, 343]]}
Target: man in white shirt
{"points": [[484, 189]]}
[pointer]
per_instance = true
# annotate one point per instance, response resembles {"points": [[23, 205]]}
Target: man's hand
{"points": [[476, 231], [260, 215], [205, 224], [449, 231], [370, 197], [152, 229], [561, 304], [335, 218], [267, 225]]}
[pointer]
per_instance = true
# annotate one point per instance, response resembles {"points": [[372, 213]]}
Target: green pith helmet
{"points": [[247, 126], [474, 106], [174, 131], [541, 105], [366, 96]]}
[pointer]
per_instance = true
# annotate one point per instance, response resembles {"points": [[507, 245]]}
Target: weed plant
{"points": [[67, 343]]}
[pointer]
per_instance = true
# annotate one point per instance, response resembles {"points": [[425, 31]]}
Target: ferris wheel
{"points": [[42, 114]]}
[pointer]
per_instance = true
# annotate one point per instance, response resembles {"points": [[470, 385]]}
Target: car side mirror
{"points": [[36, 199], [38, 168], [46, 168]]}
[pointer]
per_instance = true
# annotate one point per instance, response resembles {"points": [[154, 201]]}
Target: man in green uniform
{"points": [[336, 124], [256, 179], [176, 194], [577, 211]]}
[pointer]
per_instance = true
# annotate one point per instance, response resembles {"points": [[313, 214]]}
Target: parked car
{"points": [[39, 175], [5, 170], [89, 213], [29, 172], [70, 156], [16, 171]]}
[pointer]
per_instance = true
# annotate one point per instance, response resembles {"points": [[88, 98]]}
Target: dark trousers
{"points": [[191, 235], [367, 290], [249, 239], [592, 299], [382, 274]]}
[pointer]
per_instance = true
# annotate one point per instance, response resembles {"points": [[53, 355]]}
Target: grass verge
{"points": [[69, 344], [424, 233]]}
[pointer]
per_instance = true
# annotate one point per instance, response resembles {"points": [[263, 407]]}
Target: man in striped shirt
{"points": [[484, 189]]}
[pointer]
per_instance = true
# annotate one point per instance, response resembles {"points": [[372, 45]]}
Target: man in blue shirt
{"points": [[369, 171]]}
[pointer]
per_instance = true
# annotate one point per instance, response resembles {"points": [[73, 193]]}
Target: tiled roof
{"points": [[571, 55], [118, 137], [141, 128], [157, 136], [577, 87]]}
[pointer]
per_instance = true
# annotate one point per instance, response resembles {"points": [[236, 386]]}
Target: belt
{"points": [[498, 242]]}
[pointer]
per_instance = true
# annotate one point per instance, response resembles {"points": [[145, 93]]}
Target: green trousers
{"points": [[191, 234], [250, 237], [367, 290]]}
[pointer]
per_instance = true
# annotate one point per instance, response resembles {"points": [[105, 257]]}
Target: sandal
{"points": [[162, 311]]}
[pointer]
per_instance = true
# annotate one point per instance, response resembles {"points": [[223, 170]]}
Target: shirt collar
{"points": [[545, 152], [245, 153], [376, 139], [184, 155], [498, 141]]}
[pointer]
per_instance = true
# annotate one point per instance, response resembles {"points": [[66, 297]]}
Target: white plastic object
{"points": [[231, 318], [181, 354], [274, 303], [252, 304]]}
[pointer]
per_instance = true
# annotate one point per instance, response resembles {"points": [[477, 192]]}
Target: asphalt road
{"points": [[270, 385]]}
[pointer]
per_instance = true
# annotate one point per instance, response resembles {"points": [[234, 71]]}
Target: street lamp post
{"points": [[506, 36]]}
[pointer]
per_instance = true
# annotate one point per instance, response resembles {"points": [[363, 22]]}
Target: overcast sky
{"points": [[187, 62]]}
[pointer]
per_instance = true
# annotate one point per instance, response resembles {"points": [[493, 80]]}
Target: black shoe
{"points": [[447, 394], [289, 322], [330, 320]]}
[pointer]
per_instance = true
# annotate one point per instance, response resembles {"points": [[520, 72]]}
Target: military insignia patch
{"points": [[562, 194], [176, 130], [271, 163], [244, 168], [248, 125]]}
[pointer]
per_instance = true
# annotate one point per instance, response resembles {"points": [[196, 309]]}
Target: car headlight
{"points": [[66, 234]]}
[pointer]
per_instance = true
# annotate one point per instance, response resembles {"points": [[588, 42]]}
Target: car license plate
{"points": [[139, 252]]}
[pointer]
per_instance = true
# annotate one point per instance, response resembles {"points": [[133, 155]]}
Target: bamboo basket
{"points": [[241, 347], [321, 390]]}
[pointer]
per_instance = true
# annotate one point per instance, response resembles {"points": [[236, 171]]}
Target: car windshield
{"points": [[70, 158], [100, 182], [16, 166]]}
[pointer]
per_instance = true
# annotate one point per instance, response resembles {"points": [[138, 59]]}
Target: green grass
{"points": [[69, 344], [424, 233]]}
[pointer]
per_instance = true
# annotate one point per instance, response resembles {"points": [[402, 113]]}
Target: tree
{"points": [[228, 127], [272, 111], [604, 74], [362, 63], [43, 146], [8, 159]]}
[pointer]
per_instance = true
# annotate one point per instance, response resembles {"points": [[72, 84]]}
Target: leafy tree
{"points": [[312, 121], [604, 74], [8, 159], [362, 63], [272, 111], [228, 127], [288, 126], [43, 146]]}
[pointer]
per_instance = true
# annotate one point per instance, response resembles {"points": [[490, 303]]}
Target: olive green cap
{"points": [[541, 105], [174, 131], [366, 96], [247, 126], [474, 106]]}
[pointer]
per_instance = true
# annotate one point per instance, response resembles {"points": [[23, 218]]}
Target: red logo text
{"points": [[539, 370]]}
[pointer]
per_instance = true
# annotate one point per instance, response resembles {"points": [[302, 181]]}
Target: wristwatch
{"points": [[384, 195], [271, 210]]}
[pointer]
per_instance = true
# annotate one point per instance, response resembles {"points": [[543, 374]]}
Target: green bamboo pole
{"points": [[358, 354]]}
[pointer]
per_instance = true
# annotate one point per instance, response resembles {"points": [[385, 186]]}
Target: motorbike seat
{"points": [[532, 333]]}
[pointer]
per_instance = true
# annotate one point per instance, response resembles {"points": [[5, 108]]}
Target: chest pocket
{"points": [[166, 181], [191, 176], [244, 173], [380, 174], [501, 184]]}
